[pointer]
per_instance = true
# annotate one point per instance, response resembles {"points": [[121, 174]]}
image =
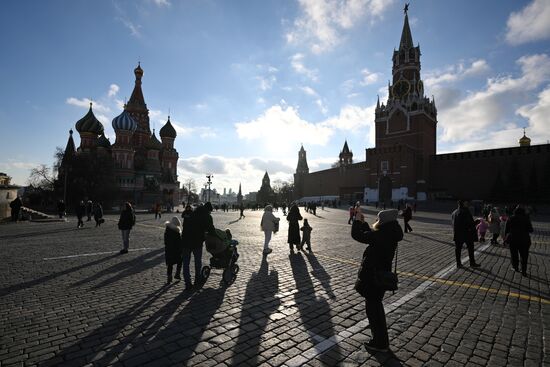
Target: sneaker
{"points": [[268, 251], [475, 265], [189, 287], [123, 251], [459, 266], [373, 347], [177, 276]]}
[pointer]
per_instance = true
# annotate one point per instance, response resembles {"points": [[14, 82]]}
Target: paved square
{"points": [[68, 298]]}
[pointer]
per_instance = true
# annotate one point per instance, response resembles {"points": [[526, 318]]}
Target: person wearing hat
{"points": [[382, 242], [464, 229], [194, 229]]}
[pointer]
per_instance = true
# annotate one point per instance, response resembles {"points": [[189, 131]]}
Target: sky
{"points": [[247, 82]]}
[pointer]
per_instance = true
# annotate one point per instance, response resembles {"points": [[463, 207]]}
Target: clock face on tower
{"points": [[401, 88]]}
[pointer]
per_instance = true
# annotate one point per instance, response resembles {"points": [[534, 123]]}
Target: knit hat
{"points": [[174, 224], [385, 216]]}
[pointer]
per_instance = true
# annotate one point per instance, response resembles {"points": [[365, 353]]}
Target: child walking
{"points": [[173, 247], [482, 227], [306, 237]]}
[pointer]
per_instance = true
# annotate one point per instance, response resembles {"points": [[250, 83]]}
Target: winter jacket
{"points": [[407, 213], [195, 228], [173, 245], [518, 228], [268, 221], [293, 226], [494, 222], [127, 220], [464, 226]]}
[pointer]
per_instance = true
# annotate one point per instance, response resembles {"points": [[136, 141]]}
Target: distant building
{"points": [[240, 196], [145, 168], [266, 193], [404, 164], [8, 193]]}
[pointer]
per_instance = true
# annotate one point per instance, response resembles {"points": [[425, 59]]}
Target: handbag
{"points": [[386, 280]]}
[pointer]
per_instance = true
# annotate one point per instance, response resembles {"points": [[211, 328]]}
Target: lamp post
{"points": [[209, 182]]}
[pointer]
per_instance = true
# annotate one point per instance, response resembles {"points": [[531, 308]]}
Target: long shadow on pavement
{"points": [[314, 311], [44, 279], [515, 286], [41, 233], [320, 273], [102, 345], [124, 268], [263, 285]]}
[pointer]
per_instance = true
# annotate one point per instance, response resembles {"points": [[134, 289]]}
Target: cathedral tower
{"points": [[346, 156]]}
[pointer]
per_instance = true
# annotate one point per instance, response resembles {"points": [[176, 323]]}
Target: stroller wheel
{"points": [[205, 272], [228, 276], [235, 269]]}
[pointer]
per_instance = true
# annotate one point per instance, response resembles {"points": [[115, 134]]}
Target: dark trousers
{"points": [[170, 267], [523, 252], [495, 238], [80, 222], [377, 317], [407, 226], [197, 255], [458, 251]]}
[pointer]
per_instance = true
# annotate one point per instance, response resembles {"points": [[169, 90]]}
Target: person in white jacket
{"points": [[269, 224]]}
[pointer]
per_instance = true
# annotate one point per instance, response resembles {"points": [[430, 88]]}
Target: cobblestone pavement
{"points": [[68, 298]]}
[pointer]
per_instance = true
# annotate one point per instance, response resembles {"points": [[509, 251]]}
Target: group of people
{"points": [[270, 224], [382, 240], [82, 209]]}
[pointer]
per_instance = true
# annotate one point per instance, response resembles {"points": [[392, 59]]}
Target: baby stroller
{"points": [[224, 255]]}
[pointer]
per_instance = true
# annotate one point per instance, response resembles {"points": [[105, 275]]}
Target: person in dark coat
{"points": [[464, 229], [194, 231], [517, 232], [173, 247], [15, 206], [80, 211], [89, 210], [98, 214], [125, 223], [378, 256], [61, 207], [407, 216], [293, 227], [187, 212]]}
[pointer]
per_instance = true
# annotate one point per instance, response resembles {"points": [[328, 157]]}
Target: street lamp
{"points": [[209, 182]]}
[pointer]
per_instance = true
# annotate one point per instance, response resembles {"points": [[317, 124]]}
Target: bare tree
{"points": [[42, 177], [190, 185]]}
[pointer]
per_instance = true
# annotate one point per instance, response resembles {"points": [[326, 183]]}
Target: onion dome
{"points": [[103, 142], [138, 71], [153, 143], [89, 124], [524, 141], [124, 122], [168, 131]]}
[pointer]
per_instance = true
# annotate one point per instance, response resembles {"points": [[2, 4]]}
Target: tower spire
{"points": [[406, 35]]}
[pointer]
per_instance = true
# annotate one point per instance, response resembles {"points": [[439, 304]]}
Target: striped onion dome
{"points": [[102, 141], [89, 124], [124, 122], [168, 131], [153, 143]]}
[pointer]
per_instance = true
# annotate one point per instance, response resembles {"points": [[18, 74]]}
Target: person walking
{"points": [[351, 214], [187, 212], [61, 207], [158, 211], [306, 236], [173, 248], [382, 243], [407, 216], [241, 208], [194, 229], [89, 210], [125, 223], [293, 218], [482, 227], [494, 225], [15, 206], [270, 225], [98, 214], [464, 230], [518, 228], [80, 211]]}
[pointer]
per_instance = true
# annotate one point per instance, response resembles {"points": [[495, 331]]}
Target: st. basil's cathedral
{"points": [[145, 168]]}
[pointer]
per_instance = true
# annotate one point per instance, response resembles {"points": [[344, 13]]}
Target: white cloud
{"points": [[537, 116], [454, 73], [162, 3], [201, 106], [368, 77], [297, 63], [322, 21], [113, 90], [532, 23], [309, 91], [85, 103], [266, 82], [134, 28], [492, 108], [319, 102]]}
